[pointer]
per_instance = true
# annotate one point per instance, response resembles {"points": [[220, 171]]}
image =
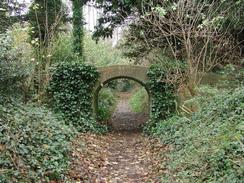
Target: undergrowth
{"points": [[207, 147], [106, 104], [71, 88], [34, 143], [139, 101]]}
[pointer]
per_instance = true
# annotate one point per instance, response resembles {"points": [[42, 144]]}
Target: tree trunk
{"points": [[78, 32]]}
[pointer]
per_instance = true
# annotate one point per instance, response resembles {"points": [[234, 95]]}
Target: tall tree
{"points": [[78, 29], [198, 33], [45, 18], [119, 12], [115, 13]]}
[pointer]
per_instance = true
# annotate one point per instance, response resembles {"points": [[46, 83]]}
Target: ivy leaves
{"points": [[36, 138], [163, 96], [72, 87]]}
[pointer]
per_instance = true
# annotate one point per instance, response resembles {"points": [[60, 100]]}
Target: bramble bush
{"points": [[34, 143], [208, 147], [72, 88]]}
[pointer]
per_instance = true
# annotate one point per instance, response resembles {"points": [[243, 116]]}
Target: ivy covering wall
{"points": [[162, 95], [78, 32], [72, 88]]}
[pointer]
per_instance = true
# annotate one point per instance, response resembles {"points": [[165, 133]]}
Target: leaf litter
{"points": [[117, 157]]}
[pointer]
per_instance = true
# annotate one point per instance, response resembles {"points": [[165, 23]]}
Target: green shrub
{"points": [[106, 104], [101, 53], [208, 147], [72, 88], [62, 49], [167, 130], [13, 70], [205, 93], [98, 54], [162, 95], [227, 77], [139, 101], [34, 143], [125, 85]]}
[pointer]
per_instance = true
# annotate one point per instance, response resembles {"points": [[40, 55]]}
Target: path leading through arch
{"points": [[110, 73], [124, 119], [119, 156]]}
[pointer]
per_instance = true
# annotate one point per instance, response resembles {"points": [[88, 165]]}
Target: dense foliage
{"points": [[208, 147], [62, 49], [106, 104], [45, 21], [139, 101], [185, 38], [162, 94], [114, 14], [4, 20], [102, 53], [78, 31], [186, 31], [118, 12], [34, 143], [97, 54], [13, 68], [72, 87]]}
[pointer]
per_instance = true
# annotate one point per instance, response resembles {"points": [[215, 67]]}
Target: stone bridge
{"points": [[107, 74]]}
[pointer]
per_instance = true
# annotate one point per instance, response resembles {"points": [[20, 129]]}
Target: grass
{"points": [[139, 101]]}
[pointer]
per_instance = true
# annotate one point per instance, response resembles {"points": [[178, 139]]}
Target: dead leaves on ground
{"points": [[117, 157]]}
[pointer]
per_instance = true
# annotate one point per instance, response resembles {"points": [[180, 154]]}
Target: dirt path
{"points": [[117, 158], [121, 156], [123, 117]]}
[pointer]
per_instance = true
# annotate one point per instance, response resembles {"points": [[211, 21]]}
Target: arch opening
{"points": [[125, 116]]}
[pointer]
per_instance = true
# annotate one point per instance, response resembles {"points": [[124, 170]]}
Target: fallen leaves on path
{"points": [[117, 158]]}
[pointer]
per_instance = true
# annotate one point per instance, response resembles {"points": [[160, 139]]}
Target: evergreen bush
{"points": [[34, 143], [163, 96], [72, 87]]}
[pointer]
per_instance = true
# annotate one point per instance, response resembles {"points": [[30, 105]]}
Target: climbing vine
{"points": [[163, 96], [78, 32], [72, 87]]}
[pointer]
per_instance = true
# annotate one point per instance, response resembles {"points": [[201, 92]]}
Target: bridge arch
{"points": [[110, 73]]}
